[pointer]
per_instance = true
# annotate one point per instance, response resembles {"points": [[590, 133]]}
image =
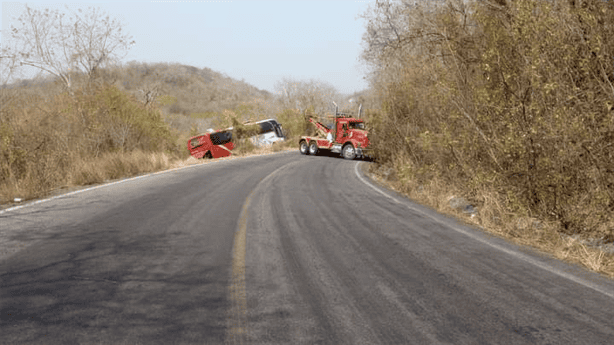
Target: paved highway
{"points": [[278, 249]]}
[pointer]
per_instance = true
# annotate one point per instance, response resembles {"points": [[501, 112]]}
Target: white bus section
{"points": [[271, 132]]}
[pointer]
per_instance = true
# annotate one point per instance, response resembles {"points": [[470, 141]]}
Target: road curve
{"points": [[278, 249]]}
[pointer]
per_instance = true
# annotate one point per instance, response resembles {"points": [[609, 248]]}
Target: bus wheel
{"points": [[349, 152], [303, 147], [313, 148]]}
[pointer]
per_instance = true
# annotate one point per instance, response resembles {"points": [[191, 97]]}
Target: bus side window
{"points": [[266, 127], [221, 138]]}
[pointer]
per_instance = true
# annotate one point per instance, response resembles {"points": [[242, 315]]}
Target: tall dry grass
{"points": [[58, 140], [495, 217]]}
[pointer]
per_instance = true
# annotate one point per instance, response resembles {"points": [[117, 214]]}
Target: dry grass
{"points": [[495, 218], [112, 166], [108, 166]]}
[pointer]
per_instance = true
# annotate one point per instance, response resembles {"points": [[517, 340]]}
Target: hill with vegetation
{"points": [[188, 96], [128, 119]]}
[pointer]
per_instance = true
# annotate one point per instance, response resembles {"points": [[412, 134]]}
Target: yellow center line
{"points": [[237, 328], [237, 325]]}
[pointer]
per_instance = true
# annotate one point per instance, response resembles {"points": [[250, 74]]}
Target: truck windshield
{"points": [[357, 125], [221, 138]]}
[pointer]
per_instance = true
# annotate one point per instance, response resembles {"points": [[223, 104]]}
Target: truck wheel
{"points": [[303, 147], [208, 155], [313, 148], [349, 152]]}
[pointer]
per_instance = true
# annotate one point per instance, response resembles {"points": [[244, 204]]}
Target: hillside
{"points": [[127, 120], [195, 90], [186, 95]]}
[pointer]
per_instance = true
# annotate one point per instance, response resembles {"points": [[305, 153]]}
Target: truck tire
{"points": [[208, 155], [349, 152], [303, 147], [313, 148]]}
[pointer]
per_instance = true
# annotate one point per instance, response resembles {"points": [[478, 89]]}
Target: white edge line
{"points": [[14, 208], [521, 256]]}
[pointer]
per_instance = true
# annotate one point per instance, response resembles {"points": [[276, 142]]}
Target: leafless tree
{"points": [[6, 67], [61, 44], [302, 95]]}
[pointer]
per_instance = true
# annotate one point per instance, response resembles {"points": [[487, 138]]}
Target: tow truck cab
{"points": [[347, 135]]}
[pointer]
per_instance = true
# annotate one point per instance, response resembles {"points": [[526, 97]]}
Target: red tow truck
{"points": [[346, 136]]}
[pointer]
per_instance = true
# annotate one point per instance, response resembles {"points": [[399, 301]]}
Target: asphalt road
{"points": [[278, 249]]}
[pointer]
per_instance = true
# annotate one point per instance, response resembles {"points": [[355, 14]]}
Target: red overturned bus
{"points": [[216, 144]]}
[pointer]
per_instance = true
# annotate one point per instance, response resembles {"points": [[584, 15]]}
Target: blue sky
{"points": [[257, 41]]}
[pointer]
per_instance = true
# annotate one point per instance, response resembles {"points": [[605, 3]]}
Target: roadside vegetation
{"points": [[85, 138], [86, 118], [507, 104], [119, 123]]}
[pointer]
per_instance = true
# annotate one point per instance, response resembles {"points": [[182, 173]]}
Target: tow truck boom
{"points": [[322, 130]]}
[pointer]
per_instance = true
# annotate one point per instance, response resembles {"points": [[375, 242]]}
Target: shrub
{"points": [[517, 98], [45, 138]]}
